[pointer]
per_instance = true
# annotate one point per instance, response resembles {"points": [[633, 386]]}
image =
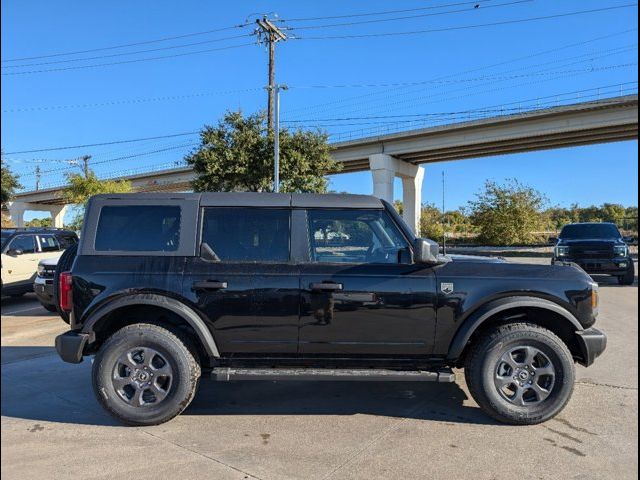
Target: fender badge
{"points": [[446, 287]]}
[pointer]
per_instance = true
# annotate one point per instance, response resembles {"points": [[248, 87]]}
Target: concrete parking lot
{"points": [[52, 427]]}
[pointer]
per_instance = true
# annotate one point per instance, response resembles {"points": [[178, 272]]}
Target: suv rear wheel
{"points": [[145, 375], [520, 374]]}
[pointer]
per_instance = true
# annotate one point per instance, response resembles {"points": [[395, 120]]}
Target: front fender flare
{"points": [[168, 303], [488, 310]]}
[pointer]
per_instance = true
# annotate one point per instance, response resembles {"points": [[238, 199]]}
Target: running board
{"points": [[225, 374]]}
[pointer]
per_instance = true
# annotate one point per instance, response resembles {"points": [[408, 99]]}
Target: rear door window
{"points": [[138, 228], [67, 241], [48, 243], [248, 234], [26, 243]]}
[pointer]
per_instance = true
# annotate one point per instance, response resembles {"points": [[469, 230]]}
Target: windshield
{"points": [[591, 230]]}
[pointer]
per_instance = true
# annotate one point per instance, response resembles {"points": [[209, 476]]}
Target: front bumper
{"points": [[592, 343], [43, 288], [70, 346], [605, 266]]}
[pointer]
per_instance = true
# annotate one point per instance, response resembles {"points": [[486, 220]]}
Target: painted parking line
{"points": [[21, 311]]}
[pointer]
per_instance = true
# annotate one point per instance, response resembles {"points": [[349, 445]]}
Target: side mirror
{"points": [[426, 251], [627, 239], [553, 240], [14, 252]]}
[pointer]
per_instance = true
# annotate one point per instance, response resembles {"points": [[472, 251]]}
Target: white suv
{"points": [[22, 249]]}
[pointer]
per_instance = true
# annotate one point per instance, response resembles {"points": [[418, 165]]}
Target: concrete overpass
{"points": [[400, 154]]}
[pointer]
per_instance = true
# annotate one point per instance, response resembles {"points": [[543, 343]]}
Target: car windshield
{"points": [[5, 237], [591, 230]]}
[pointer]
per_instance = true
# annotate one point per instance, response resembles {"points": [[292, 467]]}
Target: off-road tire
{"points": [[629, 277], [64, 264], [171, 345], [482, 361]]}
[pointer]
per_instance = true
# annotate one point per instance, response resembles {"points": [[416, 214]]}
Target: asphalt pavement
{"points": [[53, 428]]}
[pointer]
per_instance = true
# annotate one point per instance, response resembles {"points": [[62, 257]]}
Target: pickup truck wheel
{"points": [[629, 277], [521, 374], [144, 374]]}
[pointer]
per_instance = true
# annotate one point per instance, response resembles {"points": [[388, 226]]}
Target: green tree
{"points": [[507, 214], [81, 188], [431, 222], [237, 155], [9, 184], [40, 222]]}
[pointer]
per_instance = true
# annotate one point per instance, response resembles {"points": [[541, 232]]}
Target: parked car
{"points": [[23, 248], [250, 286], [43, 284], [599, 248]]}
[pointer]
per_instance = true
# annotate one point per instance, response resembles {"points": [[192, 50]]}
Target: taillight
{"points": [[66, 291]]}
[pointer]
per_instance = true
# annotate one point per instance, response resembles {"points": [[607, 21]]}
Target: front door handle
{"points": [[209, 285], [326, 287]]}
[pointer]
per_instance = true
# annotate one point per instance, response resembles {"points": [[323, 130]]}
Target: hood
{"points": [[49, 262], [590, 241], [475, 258]]}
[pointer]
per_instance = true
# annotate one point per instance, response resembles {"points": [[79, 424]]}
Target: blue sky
{"points": [[395, 77]]}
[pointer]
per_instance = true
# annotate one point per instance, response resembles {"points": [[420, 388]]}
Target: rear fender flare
{"points": [[168, 303], [477, 318]]}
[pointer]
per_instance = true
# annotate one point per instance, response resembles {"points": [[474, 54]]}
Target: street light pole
{"points": [[276, 138]]}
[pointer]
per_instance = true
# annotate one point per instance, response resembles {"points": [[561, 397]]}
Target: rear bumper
{"points": [[592, 343], [43, 288], [70, 346]]}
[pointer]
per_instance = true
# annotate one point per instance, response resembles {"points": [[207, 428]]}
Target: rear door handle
{"points": [[326, 287], [209, 285]]}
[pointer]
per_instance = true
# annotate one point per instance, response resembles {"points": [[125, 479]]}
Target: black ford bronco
{"points": [[259, 286], [599, 248]]}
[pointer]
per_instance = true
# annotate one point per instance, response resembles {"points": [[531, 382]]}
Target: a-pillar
{"points": [[384, 169], [17, 209]]}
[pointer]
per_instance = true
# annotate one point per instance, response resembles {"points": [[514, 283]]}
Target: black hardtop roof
{"points": [[14, 230], [256, 199], [590, 223]]}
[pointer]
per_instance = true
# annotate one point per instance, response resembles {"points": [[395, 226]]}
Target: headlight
{"points": [[620, 250], [40, 270], [562, 251], [595, 299]]}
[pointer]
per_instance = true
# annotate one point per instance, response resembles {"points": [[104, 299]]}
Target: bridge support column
{"points": [[384, 169], [17, 209]]}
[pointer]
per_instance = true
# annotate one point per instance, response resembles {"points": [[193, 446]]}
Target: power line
{"points": [[114, 142], [131, 100], [113, 47], [464, 27], [408, 17], [172, 47], [343, 103], [485, 67], [386, 12], [131, 61], [463, 80]]}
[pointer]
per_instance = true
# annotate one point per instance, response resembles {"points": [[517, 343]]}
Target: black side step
{"points": [[225, 374]]}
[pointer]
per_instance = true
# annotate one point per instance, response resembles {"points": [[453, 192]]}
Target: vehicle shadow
{"points": [[38, 386]]}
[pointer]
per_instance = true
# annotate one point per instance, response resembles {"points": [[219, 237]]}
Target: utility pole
{"points": [[270, 34], [444, 233], [85, 165], [38, 174], [276, 139]]}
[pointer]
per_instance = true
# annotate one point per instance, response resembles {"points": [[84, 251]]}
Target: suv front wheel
{"points": [[145, 375], [520, 373]]}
